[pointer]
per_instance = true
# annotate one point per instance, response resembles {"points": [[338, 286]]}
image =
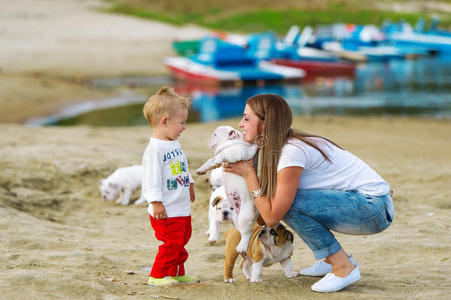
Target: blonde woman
{"points": [[315, 186]]}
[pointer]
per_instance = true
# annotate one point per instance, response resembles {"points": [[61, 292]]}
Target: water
{"points": [[407, 88]]}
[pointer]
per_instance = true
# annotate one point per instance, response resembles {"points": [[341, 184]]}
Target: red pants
{"points": [[174, 233]]}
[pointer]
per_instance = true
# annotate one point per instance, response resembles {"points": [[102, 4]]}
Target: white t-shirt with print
{"points": [[346, 172], [166, 177]]}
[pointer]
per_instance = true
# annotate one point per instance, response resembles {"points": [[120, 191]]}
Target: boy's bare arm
{"points": [[191, 192], [159, 212]]}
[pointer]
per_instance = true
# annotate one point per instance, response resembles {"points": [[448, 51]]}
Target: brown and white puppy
{"points": [[267, 246], [220, 211]]}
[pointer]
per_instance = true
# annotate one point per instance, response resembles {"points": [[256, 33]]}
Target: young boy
{"points": [[168, 186]]}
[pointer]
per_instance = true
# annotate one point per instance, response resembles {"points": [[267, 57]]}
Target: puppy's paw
{"points": [[211, 242], [241, 249], [229, 280], [255, 280], [242, 253], [140, 201], [292, 274], [200, 172]]}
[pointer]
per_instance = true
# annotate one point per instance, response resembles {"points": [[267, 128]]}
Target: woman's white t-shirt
{"points": [[344, 172]]}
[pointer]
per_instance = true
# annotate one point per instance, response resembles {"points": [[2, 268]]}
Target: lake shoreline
{"points": [[51, 55]]}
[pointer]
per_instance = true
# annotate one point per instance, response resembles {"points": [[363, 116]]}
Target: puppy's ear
{"points": [[216, 201], [288, 236], [113, 185], [232, 134]]}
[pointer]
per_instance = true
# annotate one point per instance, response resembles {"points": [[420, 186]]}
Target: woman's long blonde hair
{"points": [[274, 111]]}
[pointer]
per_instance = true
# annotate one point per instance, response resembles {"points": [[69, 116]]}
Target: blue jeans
{"points": [[315, 212]]}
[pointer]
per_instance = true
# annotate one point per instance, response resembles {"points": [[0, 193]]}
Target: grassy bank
{"points": [[261, 15]]}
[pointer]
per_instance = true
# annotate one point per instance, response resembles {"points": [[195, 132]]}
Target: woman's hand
{"points": [[241, 168]]}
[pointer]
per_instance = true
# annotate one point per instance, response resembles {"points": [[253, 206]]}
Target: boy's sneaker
{"points": [[161, 281], [185, 279]]}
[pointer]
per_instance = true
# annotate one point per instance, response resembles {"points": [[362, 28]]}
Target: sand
{"points": [[59, 240]]}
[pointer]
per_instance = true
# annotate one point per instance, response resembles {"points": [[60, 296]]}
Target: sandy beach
{"points": [[61, 241]]}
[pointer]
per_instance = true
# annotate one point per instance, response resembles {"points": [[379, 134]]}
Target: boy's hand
{"points": [[192, 196], [159, 212]]}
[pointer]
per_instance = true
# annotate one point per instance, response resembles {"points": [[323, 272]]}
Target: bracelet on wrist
{"points": [[256, 193]]}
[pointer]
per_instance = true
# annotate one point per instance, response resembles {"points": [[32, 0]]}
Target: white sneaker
{"points": [[320, 268], [332, 283]]}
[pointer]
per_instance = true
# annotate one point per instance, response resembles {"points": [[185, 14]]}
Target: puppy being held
{"points": [[123, 181], [229, 147], [268, 246], [220, 211]]}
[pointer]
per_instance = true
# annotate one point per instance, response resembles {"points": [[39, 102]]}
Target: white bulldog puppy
{"points": [[268, 246], [220, 211], [216, 179], [123, 181], [229, 147]]}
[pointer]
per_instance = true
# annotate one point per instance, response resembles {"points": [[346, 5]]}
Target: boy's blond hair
{"points": [[163, 103]]}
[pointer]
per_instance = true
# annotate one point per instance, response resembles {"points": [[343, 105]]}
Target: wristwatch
{"points": [[255, 194]]}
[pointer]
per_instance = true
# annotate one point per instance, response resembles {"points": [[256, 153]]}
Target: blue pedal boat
{"points": [[220, 62]]}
